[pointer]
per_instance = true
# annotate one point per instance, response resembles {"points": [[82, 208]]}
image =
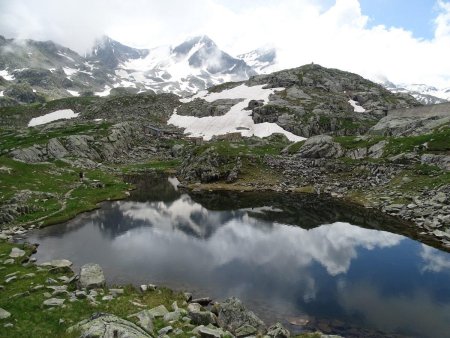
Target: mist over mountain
{"points": [[36, 71]]}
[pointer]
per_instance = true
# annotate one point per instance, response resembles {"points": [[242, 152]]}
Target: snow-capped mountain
{"points": [[194, 65], [46, 70], [425, 94]]}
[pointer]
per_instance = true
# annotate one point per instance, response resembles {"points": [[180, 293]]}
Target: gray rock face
{"points": [[321, 146], [4, 314], [102, 325], [234, 317], [91, 276]]}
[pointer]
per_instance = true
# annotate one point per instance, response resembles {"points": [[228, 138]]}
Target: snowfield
{"points": [[236, 120], [356, 107], [6, 75], [73, 92], [105, 92], [63, 114]]}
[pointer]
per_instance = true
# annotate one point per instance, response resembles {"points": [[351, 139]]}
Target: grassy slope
{"points": [[56, 179]]}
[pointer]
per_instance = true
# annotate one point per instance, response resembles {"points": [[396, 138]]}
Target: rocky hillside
{"points": [[305, 101]]}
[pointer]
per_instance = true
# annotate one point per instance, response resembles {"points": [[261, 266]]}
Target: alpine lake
{"points": [[307, 261]]}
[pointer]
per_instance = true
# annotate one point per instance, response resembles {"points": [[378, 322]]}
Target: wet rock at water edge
{"points": [[199, 316], [204, 301], [103, 325], [91, 276], [147, 287], [278, 331], [234, 317]]}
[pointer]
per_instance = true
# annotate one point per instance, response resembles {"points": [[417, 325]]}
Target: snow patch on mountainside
{"points": [[356, 107], [104, 92], [237, 119], [73, 92], [6, 75], [63, 114]]}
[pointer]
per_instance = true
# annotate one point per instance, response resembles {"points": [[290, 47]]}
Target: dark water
{"points": [[288, 257]]}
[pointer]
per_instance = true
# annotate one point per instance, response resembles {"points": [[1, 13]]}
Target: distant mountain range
{"points": [[423, 93], [33, 71]]}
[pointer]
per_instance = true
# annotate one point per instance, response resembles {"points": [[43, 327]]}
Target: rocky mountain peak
{"points": [[111, 53]]}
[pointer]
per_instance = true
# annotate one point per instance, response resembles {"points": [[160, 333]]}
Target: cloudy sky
{"points": [[405, 41]]}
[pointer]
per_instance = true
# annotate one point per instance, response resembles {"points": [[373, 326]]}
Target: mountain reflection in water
{"points": [[240, 245]]}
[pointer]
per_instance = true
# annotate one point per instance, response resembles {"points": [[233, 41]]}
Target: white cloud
{"points": [[303, 31]]}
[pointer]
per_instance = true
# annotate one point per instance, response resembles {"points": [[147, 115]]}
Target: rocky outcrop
{"points": [[97, 148], [414, 121], [321, 146], [210, 166], [316, 100], [103, 325]]}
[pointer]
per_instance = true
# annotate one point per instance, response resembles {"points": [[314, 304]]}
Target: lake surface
{"points": [[292, 258]]}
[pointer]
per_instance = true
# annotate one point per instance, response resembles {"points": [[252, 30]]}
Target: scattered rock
{"points": [[165, 330], [147, 287], [172, 316], [10, 279], [4, 314], [208, 332], [54, 302], [80, 294], [158, 311], [145, 319], [16, 253]]}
